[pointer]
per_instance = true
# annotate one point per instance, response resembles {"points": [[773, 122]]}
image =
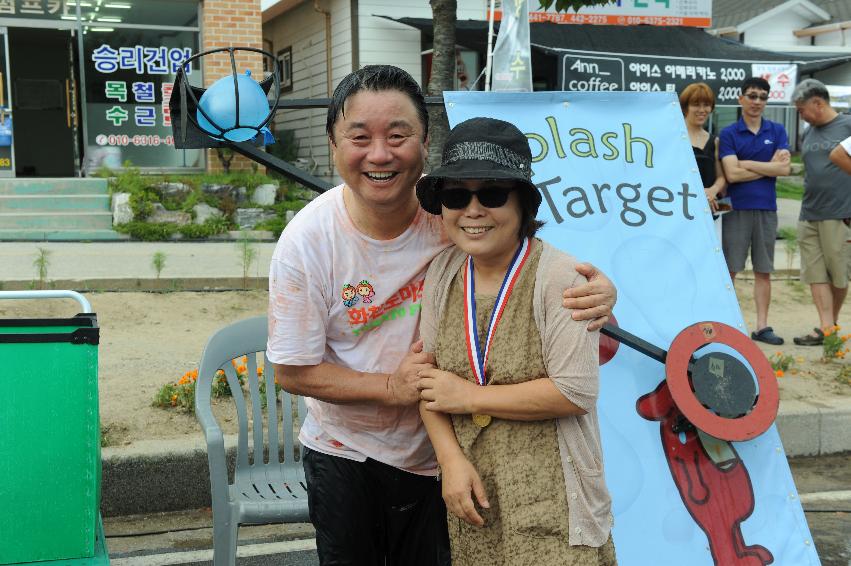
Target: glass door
{"points": [[7, 152], [42, 86]]}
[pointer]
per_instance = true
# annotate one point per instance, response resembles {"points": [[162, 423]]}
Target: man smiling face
{"points": [[379, 148]]}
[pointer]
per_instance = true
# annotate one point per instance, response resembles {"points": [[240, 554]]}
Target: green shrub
{"points": [[142, 203], [274, 225], [158, 262], [148, 232], [211, 227], [789, 190], [219, 224], [282, 207], [228, 206]]}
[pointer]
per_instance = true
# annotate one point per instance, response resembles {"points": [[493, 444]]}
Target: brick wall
{"points": [[231, 23]]}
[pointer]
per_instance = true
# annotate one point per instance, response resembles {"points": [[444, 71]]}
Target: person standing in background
{"points": [[825, 208], [754, 152]]}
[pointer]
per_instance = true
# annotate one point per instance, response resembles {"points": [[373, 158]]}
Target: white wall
{"points": [[840, 38], [303, 28], [776, 33], [386, 42]]}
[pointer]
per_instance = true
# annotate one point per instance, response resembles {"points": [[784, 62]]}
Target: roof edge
{"points": [[820, 14]]}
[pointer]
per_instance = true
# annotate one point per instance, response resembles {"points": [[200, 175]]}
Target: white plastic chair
{"points": [[263, 491]]}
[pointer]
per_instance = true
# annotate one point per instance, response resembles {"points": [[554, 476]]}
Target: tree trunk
{"points": [[442, 74]]}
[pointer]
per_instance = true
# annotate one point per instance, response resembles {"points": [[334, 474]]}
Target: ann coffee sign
{"points": [[606, 72]]}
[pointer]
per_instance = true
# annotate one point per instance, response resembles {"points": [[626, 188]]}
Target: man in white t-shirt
{"points": [[345, 286], [841, 155]]}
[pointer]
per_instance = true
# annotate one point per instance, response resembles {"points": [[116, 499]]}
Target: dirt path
{"points": [[149, 339]]}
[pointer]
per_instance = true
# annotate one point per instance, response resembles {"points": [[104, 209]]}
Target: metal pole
{"points": [[84, 303], [490, 47]]}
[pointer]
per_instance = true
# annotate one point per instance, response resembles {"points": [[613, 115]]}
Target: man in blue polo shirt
{"points": [[754, 152]]}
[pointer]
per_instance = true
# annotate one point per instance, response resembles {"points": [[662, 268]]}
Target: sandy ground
{"points": [[149, 339], [791, 314]]}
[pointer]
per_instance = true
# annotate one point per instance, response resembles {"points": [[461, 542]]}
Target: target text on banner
{"points": [[634, 200]]}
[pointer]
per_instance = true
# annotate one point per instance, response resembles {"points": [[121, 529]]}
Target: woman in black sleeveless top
{"points": [[697, 102]]}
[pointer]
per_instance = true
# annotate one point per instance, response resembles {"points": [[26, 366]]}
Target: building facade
{"points": [[86, 83], [318, 43]]}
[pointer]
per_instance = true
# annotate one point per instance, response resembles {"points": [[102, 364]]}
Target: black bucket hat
{"points": [[481, 148]]}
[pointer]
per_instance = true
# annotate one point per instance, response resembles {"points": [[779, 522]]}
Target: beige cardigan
{"points": [[571, 360]]}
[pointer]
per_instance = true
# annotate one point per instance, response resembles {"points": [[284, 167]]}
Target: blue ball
{"points": [[219, 102]]}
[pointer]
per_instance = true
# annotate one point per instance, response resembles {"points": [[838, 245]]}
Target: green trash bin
{"points": [[50, 439]]}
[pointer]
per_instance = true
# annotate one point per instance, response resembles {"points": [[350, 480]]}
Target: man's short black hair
{"points": [[755, 82], [376, 78]]}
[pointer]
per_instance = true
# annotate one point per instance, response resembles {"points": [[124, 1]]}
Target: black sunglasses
{"points": [[489, 197], [754, 96]]}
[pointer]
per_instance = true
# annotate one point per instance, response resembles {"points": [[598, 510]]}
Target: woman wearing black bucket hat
{"points": [[511, 407]]}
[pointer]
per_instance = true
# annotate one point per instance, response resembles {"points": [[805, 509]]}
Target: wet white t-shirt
{"points": [[338, 296]]}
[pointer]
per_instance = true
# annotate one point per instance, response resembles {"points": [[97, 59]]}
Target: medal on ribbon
{"points": [[477, 356]]}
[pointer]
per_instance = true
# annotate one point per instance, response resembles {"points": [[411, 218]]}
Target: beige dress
{"points": [[519, 463]]}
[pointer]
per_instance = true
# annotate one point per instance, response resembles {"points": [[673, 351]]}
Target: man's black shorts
{"points": [[371, 514]]}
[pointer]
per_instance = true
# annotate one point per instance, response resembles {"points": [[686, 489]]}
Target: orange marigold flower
{"points": [[220, 372], [233, 363], [241, 369], [260, 372], [183, 380], [779, 373]]}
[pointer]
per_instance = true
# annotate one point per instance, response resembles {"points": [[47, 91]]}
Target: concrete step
{"points": [[55, 221], [54, 186], [61, 235], [54, 203]]}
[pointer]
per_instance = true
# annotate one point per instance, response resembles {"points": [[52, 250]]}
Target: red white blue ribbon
{"points": [[479, 358]]}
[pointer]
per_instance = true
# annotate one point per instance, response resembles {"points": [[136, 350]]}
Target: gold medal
{"points": [[481, 421]]}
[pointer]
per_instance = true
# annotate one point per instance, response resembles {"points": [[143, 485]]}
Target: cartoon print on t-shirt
{"points": [[350, 295], [365, 291]]}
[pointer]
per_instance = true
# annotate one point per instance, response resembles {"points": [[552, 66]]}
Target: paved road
{"points": [[824, 485]]}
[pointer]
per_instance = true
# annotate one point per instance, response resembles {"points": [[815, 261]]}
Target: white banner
{"points": [[512, 55], [782, 79]]}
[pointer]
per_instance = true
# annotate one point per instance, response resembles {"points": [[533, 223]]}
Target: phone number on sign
{"points": [[139, 140]]}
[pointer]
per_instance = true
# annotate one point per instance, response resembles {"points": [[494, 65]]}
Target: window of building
{"points": [[285, 68], [130, 67]]}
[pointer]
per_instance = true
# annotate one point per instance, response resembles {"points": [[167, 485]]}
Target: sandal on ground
{"points": [[768, 336], [809, 339]]}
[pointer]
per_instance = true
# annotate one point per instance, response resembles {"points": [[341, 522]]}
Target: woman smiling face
{"points": [[698, 113], [488, 234]]}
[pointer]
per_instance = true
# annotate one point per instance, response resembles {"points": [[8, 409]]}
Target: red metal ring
{"points": [[676, 371]]}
